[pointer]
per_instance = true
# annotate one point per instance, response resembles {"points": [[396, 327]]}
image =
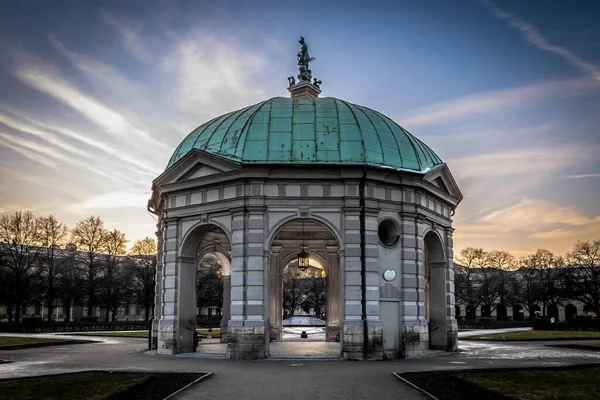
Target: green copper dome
{"points": [[299, 130]]}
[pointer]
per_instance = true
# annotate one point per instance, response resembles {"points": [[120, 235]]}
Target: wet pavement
{"points": [[285, 379]]}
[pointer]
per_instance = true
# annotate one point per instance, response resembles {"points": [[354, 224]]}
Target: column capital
{"points": [[267, 253]]}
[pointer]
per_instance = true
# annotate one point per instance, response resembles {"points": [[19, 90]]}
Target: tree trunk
{"points": [[9, 310], [50, 297], [67, 304], [146, 311]]}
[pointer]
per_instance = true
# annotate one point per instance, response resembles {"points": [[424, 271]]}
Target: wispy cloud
{"points": [[128, 30], [522, 161], [21, 148], [532, 35], [583, 176], [480, 104]]}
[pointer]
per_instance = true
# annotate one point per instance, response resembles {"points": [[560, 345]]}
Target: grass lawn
{"points": [[144, 334], [557, 383], [95, 385], [539, 384], [539, 335], [136, 334], [9, 342]]}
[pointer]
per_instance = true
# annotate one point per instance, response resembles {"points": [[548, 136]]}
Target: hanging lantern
{"points": [[303, 260]]}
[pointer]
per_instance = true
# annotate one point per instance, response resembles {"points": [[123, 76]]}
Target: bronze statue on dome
{"points": [[304, 59]]}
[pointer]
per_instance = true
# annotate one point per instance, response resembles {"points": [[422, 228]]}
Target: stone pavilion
{"points": [[308, 179]]}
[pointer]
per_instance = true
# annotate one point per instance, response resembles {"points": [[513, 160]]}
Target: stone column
{"points": [[226, 311], [157, 289], [246, 331], [451, 323], [167, 323], [332, 333], [352, 334], [353, 341], [414, 334], [274, 294]]}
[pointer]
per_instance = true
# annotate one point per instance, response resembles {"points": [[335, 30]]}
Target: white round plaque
{"points": [[389, 275]]}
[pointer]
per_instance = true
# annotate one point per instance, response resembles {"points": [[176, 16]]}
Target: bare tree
{"points": [[71, 282], [112, 284], [52, 236], [293, 289], [505, 264], [90, 237], [315, 292], [550, 278], [143, 268], [209, 283], [466, 279], [19, 237], [583, 274]]}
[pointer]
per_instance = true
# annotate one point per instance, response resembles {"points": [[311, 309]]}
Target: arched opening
{"points": [[552, 311], [518, 313], [589, 311], [206, 246], [570, 312], [533, 310], [501, 312], [486, 311], [470, 313], [305, 292], [435, 291]]}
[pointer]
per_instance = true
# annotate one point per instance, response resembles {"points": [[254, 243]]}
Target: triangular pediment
{"points": [[197, 166], [441, 178]]}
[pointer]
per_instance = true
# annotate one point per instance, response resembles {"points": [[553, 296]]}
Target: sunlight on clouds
{"points": [[120, 199], [15, 145], [527, 225]]}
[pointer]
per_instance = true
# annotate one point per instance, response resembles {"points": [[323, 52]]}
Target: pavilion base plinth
{"points": [[414, 341], [353, 337], [246, 342]]}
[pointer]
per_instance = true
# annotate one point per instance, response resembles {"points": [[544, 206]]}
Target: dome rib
{"points": [[304, 131]]}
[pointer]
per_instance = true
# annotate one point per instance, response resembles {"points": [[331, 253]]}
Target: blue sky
{"points": [[95, 96]]}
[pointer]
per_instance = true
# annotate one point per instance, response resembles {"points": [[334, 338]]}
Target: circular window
{"points": [[388, 233]]}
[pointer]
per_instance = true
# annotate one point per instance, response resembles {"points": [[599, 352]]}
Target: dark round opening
{"points": [[388, 233]]}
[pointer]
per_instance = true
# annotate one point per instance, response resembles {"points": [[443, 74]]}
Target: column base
{"points": [[223, 335], [414, 341], [246, 342], [332, 334], [452, 335], [353, 340]]}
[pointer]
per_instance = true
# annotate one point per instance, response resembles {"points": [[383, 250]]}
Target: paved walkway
{"points": [[283, 379]]}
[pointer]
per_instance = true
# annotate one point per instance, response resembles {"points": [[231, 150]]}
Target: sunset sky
{"points": [[95, 97]]}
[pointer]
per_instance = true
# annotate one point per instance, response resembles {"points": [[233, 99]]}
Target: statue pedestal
{"points": [[304, 89]]}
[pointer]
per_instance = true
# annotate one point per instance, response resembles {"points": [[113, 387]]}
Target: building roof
{"points": [[302, 131]]}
